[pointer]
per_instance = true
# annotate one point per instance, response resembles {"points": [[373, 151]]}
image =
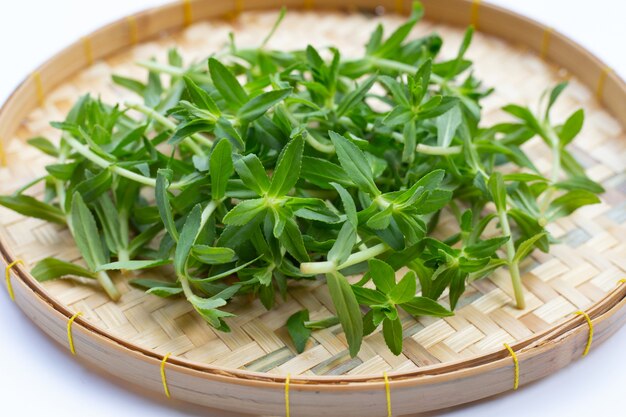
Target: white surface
{"points": [[38, 377]]}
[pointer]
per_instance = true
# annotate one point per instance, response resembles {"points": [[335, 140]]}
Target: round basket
{"points": [[576, 294]]}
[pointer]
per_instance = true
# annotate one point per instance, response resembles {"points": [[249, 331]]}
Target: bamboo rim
{"points": [[609, 88]]}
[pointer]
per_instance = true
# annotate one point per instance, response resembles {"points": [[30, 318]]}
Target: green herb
{"points": [[263, 167]]}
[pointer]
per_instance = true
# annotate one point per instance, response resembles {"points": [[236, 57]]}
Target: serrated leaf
{"points": [[287, 170], [392, 332], [258, 105], [354, 163], [227, 85], [29, 206], [405, 290], [383, 275]]}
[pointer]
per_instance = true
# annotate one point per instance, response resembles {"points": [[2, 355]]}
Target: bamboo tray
{"points": [[445, 362]]}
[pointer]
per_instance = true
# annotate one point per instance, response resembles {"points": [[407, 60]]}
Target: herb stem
{"points": [[516, 279], [174, 71], [105, 281], [98, 160], [164, 121], [324, 267]]}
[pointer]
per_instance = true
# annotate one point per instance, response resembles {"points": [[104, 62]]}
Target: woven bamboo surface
{"points": [[580, 271]]}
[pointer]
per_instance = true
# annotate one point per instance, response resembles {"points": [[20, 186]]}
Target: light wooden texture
{"points": [[445, 361]]}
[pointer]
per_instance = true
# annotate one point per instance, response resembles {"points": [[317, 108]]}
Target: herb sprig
{"points": [[263, 167]]}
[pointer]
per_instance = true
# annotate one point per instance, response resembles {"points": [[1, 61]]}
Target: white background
{"points": [[38, 377]]}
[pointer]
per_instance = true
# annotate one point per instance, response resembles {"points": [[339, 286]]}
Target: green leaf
{"points": [[291, 239], [133, 265], [381, 219], [322, 173], [354, 163], [257, 106], [355, 96], [497, 190], [526, 247], [299, 333], [554, 95], [29, 206], [252, 173], [244, 212], [569, 202], [200, 97], [571, 128], [447, 124], [392, 332], [165, 292], [221, 168], [525, 115], [405, 290], [50, 268], [213, 255], [86, 234], [422, 306], [369, 297], [163, 202], [485, 248], [44, 145], [227, 85], [187, 239], [287, 170], [383, 275], [348, 204], [342, 248], [347, 309]]}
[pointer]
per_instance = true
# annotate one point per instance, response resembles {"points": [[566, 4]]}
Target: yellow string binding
{"points": [[590, 337], [475, 13], [545, 42], [3, 156], [287, 411], [133, 31], [601, 81], [163, 377], [36, 77], [187, 13], [400, 6], [387, 394], [88, 49], [7, 275], [515, 365], [622, 281], [70, 337]]}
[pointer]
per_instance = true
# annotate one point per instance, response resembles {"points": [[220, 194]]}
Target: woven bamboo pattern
{"points": [[578, 272]]}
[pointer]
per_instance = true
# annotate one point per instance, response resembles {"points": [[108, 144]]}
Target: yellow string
{"points": [[590, 337], [622, 281], [70, 337], [163, 377], [475, 13], [3, 157], [387, 394], [133, 31], [515, 366], [601, 80], [88, 49], [545, 42], [38, 87], [187, 13], [287, 411], [400, 6], [7, 275]]}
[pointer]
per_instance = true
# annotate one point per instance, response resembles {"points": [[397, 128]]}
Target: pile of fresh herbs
{"points": [[261, 167]]}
